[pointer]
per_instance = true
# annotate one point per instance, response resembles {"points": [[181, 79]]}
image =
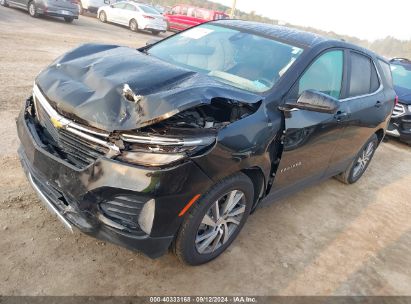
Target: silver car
{"points": [[68, 9]]}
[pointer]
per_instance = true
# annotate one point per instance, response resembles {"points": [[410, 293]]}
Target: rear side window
{"points": [[324, 75], [386, 71], [364, 77]]}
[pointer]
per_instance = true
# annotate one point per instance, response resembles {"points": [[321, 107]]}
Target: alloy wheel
{"points": [[220, 222], [133, 25], [32, 9], [103, 17], [363, 160]]}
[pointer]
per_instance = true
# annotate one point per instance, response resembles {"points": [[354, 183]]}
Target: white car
{"points": [[92, 5], [134, 15]]}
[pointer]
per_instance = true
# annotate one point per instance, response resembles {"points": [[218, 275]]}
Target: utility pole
{"points": [[232, 14]]}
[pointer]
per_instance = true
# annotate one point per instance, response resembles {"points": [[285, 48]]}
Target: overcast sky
{"points": [[366, 19]]}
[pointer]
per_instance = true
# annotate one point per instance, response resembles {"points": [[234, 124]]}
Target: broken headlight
{"points": [[151, 150]]}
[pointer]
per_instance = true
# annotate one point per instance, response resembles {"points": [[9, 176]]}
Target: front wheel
{"points": [[33, 10], [102, 17], [215, 220], [155, 33], [360, 163]]}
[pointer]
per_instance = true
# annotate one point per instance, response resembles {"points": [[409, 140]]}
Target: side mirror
{"points": [[315, 101], [152, 41]]}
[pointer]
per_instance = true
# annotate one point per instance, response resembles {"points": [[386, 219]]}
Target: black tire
{"points": [[4, 3], [68, 19], [353, 173], [188, 238], [102, 17], [133, 25], [155, 33], [32, 9]]}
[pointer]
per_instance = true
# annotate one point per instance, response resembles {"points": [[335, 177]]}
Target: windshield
{"points": [[241, 59], [401, 75]]}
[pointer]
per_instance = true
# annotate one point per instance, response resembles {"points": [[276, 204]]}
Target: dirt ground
{"points": [[330, 239]]}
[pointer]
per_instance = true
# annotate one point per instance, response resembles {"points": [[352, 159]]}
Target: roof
{"points": [[291, 35]]}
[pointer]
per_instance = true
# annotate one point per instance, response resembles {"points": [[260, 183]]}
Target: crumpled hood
{"points": [[404, 95], [86, 84]]}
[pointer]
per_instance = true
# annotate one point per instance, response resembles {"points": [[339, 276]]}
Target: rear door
{"points": [[311, 138], [365, 109], [129, 12]]}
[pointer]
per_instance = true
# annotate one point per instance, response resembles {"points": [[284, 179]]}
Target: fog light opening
{"points": [[146, 217]]}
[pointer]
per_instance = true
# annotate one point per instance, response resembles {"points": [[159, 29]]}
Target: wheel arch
{"points": [[380, 134], [256, 175]]}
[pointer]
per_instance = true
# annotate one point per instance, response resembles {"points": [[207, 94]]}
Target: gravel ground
{"points": [[330, 239]]}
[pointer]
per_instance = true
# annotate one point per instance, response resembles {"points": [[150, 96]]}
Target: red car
{"points": [[184, 16]]}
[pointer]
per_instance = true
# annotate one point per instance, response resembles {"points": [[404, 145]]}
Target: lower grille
{"points": [[124, 210], [399, 110]]}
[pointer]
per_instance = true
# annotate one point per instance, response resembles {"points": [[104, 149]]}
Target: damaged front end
{"points": [[119, 156], [127, 187]]}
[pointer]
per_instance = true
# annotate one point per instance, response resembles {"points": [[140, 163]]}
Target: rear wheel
{"points": [[102, 16], [215, 220], [133, 25], [68, 19], [4, 3], [361, 162], [33, 9]]}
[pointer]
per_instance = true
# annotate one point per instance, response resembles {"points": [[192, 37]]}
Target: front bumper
{"points": [[75, 195], [400, 125]]}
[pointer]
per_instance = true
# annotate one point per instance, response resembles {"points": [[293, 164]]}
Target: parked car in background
{"points": [[400, 125], [174, 144], [92, 6], [182, 16], [134, 15], [67, 9]]}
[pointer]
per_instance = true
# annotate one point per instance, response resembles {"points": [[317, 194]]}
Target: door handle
{"points": [[378, 104], [341, 116]]}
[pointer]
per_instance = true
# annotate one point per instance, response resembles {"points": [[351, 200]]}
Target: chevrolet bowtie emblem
{"points": [[56, 123]]}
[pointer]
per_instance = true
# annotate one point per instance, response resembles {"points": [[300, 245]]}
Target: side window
{"points": [[364, 78], [119, 5], [386, 70], [324, 75], [130, 7]]}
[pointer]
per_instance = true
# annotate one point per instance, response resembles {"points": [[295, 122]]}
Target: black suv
{"points": [[174, 144], [400, 125]]}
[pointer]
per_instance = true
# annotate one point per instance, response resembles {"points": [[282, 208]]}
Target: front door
{"points": [[311, 138]]}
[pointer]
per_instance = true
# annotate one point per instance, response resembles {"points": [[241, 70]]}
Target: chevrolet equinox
{"points": [[173, 145]]}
